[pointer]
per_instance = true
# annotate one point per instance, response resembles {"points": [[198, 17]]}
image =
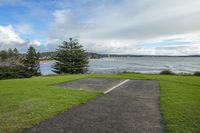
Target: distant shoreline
{"points": [[50, 55], [123, 56], [46, 61], [113, 55]]}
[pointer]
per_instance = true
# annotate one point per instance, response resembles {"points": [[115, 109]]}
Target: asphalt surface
{"points": [[130, 108], [93, 84]]}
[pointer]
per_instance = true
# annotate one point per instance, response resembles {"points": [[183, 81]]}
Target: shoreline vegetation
{"points": [[46, 61], [16, 65]]}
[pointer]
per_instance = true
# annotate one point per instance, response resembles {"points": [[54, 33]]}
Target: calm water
{"points": [[138, 64]]}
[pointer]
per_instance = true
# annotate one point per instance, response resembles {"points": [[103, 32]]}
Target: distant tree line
{"points": [[16, 65], [51, 55]]}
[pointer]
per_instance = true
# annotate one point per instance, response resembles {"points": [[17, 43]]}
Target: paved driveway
{"points": [[93, 84], [132, 107]]}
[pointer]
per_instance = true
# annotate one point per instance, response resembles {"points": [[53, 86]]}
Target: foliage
{"points": [[3, 55], [31, 62], [197, 73], [51, 55], [167, 72], [126, 72], [11, 65], [70, 58], [14, 65], [8, 54], [16, 52], [13, 72]]}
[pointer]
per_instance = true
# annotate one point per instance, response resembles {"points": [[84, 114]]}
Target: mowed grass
{"points": [[25, 102]]}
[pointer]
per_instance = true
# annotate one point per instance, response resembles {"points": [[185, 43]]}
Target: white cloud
{"points": [[10, 39], [24, 28], [62, 17], [35, 42], [62, 26], [193, 49], [119, 28]]}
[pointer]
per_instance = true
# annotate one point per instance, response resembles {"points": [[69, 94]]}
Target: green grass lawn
{"points": [[25, 102]]}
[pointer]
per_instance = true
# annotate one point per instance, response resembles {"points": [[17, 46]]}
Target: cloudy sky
{"points": [[153, 27]]}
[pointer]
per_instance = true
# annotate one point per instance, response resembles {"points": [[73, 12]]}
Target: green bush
{"points": [[197, 73], [13, 72], [167, 72], [128, 72]]}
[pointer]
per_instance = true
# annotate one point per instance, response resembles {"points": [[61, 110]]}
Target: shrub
{"points": [[129, 72], [13, 72], [167, 72], [197, 73]]}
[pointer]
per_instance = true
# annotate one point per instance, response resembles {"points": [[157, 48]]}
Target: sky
{"points": [[139, 27]]}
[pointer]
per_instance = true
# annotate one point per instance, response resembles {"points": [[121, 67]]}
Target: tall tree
{"points": [[31, 62], [70, 58], [4, 55], [16, 52], [10, 52]]}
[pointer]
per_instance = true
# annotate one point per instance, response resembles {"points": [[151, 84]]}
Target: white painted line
{"points": [[116, 86]]}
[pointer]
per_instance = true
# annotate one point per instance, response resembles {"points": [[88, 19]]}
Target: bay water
{"points": [[136, 64]]}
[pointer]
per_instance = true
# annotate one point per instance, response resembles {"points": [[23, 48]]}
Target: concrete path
{"points": [[130, 108]]}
